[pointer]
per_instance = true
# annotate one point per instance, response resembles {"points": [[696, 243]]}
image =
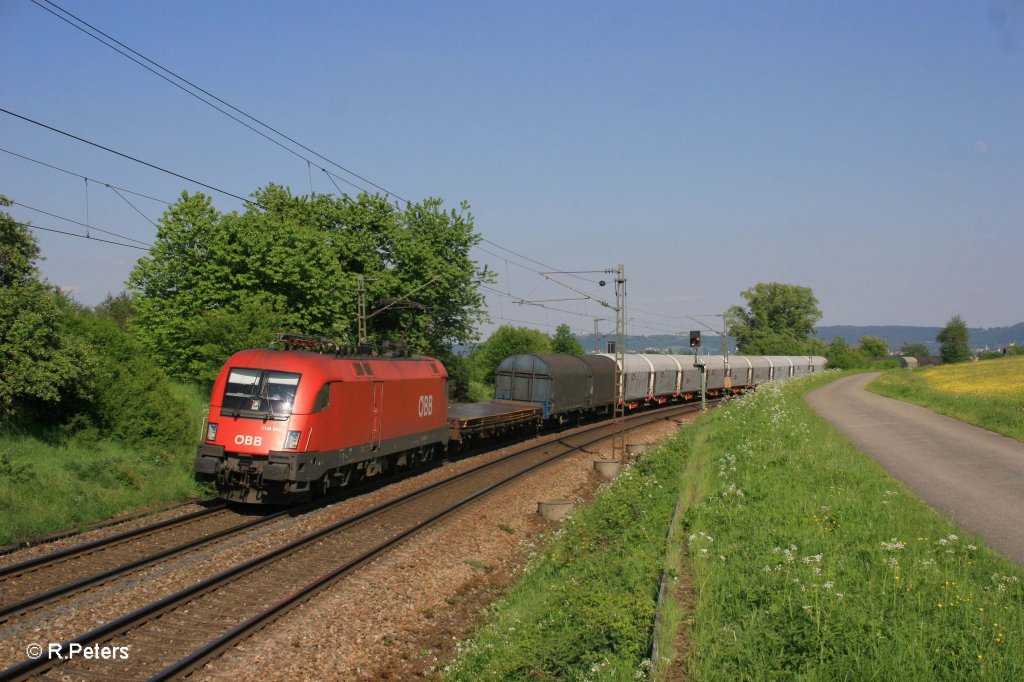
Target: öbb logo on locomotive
{"points": [[287, 424]]}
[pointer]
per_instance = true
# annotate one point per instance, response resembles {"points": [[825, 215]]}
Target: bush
{"points": [[841, 356], [505, 341], [44, 366], [458, 376], [132, 400]]}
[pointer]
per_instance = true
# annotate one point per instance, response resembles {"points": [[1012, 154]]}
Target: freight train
{"points": [[287, 424]]}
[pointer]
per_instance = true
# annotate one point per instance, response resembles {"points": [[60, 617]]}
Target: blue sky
{"points": [[873, 151]]}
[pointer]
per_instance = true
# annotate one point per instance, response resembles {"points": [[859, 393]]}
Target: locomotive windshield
{"points": [[259, 393]]}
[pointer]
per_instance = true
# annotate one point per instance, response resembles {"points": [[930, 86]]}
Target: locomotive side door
{"points": [[377, 415]]}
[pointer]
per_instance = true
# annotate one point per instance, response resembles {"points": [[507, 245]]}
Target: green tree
{"points": [[914, 350], [873, 346], [564, 341], [128, 397], [779, 319], [120, 308], [953, 340], [505, 341], [40, 364], [841, 356], [203, 262], [18, 250], [300, 257], [459, 376], [217, 333], [431, 268], [817, 347]]}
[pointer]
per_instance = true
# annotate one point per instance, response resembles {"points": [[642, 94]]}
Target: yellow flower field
{"points": [[1003, 377], [989, 393]]}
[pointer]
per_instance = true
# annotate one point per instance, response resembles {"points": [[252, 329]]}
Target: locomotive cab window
{"points": [[259, 393]]}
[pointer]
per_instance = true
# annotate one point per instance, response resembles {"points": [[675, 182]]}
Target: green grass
{"points": [[812, 563], [809, 562], [196, 400], [584, 610], [989, 394], [48, 485]]}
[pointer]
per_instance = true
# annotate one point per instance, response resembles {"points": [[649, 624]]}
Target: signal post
{"points": [[699, 364]]}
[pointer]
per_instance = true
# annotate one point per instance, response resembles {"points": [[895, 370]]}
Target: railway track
{"points": [[99, 525], [179, 633], [41, 580], [45, 578]]}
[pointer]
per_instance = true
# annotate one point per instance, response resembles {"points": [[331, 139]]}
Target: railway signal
{"points": [[695, 339]]}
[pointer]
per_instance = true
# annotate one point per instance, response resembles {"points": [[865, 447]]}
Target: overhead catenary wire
{"points": [[87, 207], [129, 157], [539, 324], [80, 236], [139, 56], [182, 79], [79, 175], [536, 262], [523, 301], [125, 200], [87, 226], [193, 90], [332, 176], [177, 80]]}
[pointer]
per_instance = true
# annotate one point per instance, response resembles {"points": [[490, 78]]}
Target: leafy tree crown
{"points": [[778, 319]]}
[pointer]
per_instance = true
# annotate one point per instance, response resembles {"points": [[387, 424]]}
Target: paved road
{"points": [[974, 476]]}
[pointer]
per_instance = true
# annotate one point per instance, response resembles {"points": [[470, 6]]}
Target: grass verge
{"points": [[989, 394], [584, 609], [811, 562], [48, 485]]}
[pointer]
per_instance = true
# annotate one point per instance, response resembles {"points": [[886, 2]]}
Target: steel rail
{"points": [[212, 649], [593, 433], [76, 550], [97, 525], [9, 610]]}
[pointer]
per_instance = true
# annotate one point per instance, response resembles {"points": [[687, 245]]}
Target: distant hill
{"points": [[895, 336]]}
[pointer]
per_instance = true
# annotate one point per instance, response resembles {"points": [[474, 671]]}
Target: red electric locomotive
{"points": [[287, 423]]}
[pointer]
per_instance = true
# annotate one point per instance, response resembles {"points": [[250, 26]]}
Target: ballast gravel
{"points": [[402, 616], [398, 617]]}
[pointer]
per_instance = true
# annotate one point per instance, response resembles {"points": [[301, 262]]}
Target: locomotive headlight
{"points": [[211, 431], [292, 440]]}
